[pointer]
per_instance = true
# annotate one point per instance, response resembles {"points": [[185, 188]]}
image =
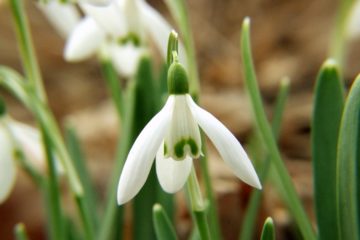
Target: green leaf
{"points": [[267, 136], [114, 86], [20, 232], [328, 106], [348, 166], [251, 212], [163, 228], [87, 202], [145, 109], [268, 231]]}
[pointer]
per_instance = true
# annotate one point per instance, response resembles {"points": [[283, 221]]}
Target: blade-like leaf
{"points": [[328, 105], [268, 231], [348, 166], [163, 228]]}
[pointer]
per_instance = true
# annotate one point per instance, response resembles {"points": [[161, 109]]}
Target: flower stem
{"points": [[198, 205], [27, 52], [57, 225], [114, 87], [268, 138]]}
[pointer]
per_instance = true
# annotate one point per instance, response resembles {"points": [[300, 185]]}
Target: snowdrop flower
{"points": [[173, 136], [123, 26]]}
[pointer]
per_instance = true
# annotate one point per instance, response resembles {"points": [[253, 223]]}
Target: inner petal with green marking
{"points": [[183, 137]]}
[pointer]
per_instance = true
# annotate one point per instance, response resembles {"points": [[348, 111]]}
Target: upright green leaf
{"points": [[163, 228], [20, 232], [145, 109], [348, 166], [252, 209], [285, 181], [268, 231], [328, 106]]}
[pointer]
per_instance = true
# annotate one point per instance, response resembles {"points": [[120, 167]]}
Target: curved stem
{"points": [[197, 205]]}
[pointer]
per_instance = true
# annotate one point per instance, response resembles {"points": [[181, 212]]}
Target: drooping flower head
{"points": [[16, 136], [118, 31], [173, 137]]}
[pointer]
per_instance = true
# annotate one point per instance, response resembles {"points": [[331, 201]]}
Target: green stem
{"points": [[197, 205], [268, 137], [57, 225], [112, 210], [212, 208], [178, 10], [27, 52], [114, 86], [85, 218]]}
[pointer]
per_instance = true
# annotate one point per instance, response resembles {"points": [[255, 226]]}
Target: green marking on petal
{"points": [[193, 146], [165, 149], [130, 38], [179, 148]]}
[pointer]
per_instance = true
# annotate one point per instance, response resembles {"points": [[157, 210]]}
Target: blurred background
{"points": [[289, 38]]}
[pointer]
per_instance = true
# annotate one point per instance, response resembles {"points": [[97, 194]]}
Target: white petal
{"points": [[126, 58], [142, 154], [227, 145], [7, 165], [159, 29], [84, 41], [63, 17], [172, 174], [132, 14], [183, 138], [110, 18], [353, 28], [98, 2]]}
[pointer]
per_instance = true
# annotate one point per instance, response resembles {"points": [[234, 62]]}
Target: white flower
{"points": [[15, 135], [353, 25], [118, 27], [173, 136], [63, 16]]}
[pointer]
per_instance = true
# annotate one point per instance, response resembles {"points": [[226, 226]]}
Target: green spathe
{"points": [[177, 79]]}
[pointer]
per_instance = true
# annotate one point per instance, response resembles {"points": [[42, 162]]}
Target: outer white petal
{"points": [[172, 174], [84, 41], [29, 141], [159, 29], [353, 28], [142, 154], [7, 165], [227, 145], [126, 58], [110, 18], [63, 17], [97, 2]]}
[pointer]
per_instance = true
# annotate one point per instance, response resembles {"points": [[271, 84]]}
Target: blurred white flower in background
{"points": [[353, 27], [17, 136], [119, 31]]}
